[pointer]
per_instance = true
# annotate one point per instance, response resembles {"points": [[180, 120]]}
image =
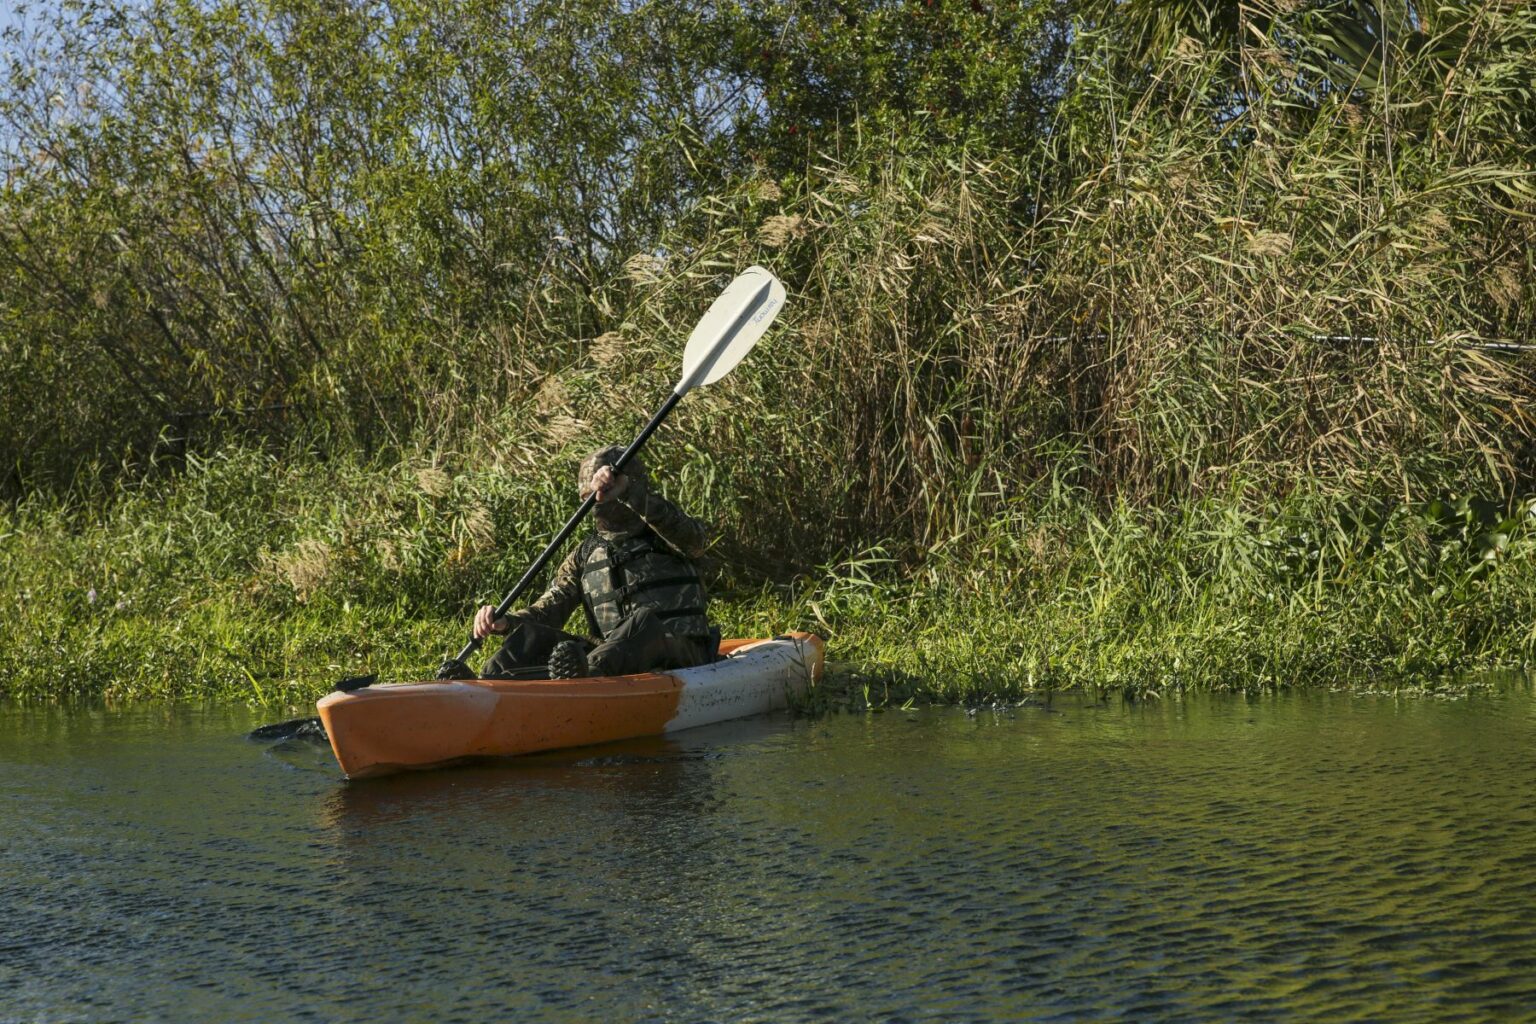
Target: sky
{"points": [[7, 14]]}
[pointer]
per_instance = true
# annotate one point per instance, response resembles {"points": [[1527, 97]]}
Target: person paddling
{"points": [[635, 577]]}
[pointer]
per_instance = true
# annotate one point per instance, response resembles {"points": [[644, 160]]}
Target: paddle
{"points": [[728, 330], [733, 324]]}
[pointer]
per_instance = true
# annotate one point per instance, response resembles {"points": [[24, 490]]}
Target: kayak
{"points": [[376, 730]]}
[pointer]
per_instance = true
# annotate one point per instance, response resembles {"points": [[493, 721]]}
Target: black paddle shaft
{"points": [[564, 534]]}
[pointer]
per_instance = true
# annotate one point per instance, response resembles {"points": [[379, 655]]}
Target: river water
{"points": [[1305, 857]]}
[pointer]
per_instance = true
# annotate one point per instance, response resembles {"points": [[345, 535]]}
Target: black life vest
{"points": [[620, 577]]}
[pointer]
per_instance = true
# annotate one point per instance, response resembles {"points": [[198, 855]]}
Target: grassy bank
{"points": [[263, 579], [1129, 345]]}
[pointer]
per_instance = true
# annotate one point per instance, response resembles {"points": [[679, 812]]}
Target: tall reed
{"points": [[1176, 354]]}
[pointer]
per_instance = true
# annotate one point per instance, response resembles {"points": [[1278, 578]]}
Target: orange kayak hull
{"points": [[377, 730]]}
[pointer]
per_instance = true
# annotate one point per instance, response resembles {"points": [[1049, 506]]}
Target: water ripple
{"points": [[1300, 857]]}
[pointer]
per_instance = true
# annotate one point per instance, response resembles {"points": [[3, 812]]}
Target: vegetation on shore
{"points": [[257, 578], [1129, 346]]}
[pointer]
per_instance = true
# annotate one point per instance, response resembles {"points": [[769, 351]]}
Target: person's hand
{"points": [[486, 622], [606, 484]]}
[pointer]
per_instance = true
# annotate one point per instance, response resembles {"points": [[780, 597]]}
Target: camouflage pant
{"points": [[639, 644]]}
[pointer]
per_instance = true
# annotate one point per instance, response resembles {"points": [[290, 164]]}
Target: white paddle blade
{"points": [[731, 327]]}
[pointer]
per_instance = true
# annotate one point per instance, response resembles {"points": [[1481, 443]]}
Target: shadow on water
{"points": [[502, 799], [632, 769]]}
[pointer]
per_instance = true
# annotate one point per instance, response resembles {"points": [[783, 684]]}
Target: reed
{"points": [[1192, 350]]}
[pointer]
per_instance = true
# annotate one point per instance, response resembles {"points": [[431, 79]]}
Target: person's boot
{"points": [[568, 660]]}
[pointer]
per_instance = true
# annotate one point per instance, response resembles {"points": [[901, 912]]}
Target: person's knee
{"points": [[636, 646], [521, 647], [608, 661], [518, 634], [636, 627]]}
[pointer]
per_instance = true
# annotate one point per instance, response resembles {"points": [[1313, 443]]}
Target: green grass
{"points": [[256, 579]]}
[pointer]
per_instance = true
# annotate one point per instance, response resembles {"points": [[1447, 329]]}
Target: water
{"points": [[1298, 857]]}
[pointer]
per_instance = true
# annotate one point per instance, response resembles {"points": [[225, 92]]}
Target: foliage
{"points": [[265, 579], [1141, 343], [941, 69], [385, 216], [294, 211]]}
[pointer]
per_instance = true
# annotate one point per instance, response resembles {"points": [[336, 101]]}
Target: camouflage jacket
{"points": [[681, 532]]}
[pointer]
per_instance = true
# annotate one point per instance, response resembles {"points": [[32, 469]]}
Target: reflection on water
{"points": [[1314, 856]]}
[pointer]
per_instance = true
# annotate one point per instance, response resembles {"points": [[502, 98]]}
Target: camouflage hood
{"points": [[615, 519]]}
